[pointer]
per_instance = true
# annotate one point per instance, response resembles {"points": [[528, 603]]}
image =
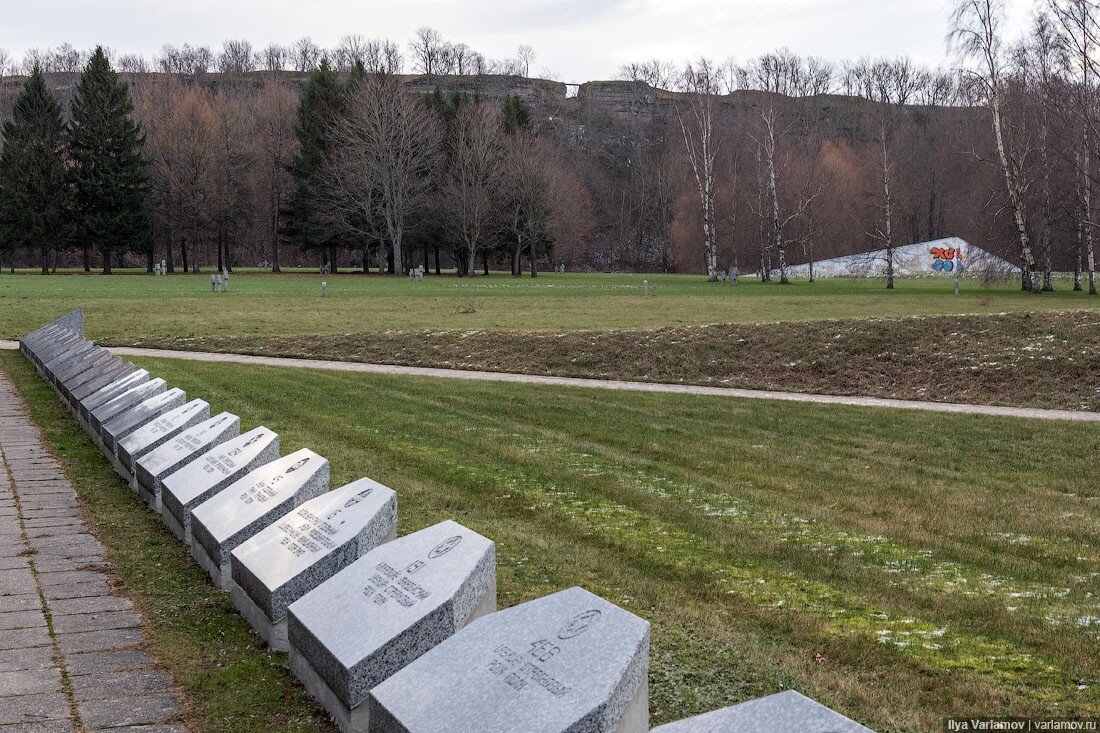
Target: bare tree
{"points": [[697, 117], [236, 57], [272, 57], [427, 48], [351, 51], [476, 166], [5, 62], [976, 34], [134, 64], [1077, 20], [276, 143], [385, 150], [305, 55], [526, 55]]}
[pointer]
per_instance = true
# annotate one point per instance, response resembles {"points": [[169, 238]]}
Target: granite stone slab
{"points": [[779, 713], [176, 452], [153, 434], [124, 402], [127, 422], [76, 367], [94, 368], [305, 548], [387, 609], [250, 504], [109, 392], [110, 375], [569, 662], [73, 351], [211, 472]]}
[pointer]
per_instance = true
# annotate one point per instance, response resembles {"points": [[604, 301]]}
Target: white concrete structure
{"points": [[938, 257]]}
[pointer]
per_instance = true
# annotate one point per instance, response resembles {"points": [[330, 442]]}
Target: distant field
{"points": [[124, 307], [898, 566]]}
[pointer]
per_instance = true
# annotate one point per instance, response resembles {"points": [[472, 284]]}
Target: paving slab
{"points": [[51, 564]]}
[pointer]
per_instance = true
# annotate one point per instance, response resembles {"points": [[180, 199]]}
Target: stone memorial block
{"points": [[253, 502], [60, 341], [111, 373], [384, 611], [66, 358], [305, 548], [176, 452], [211, 472], [124, 402], [90, 370], [71, 369], [123, 424], [109, 392], [569, 662], [153, 434], [785, 711], [104, 368]]}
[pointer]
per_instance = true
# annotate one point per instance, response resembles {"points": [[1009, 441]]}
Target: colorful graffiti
{"points": [[947, 259]]}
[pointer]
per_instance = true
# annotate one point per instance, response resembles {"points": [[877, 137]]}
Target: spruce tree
{"points": [[322, 101], [516, 115], [108, 173], [34, 196]]}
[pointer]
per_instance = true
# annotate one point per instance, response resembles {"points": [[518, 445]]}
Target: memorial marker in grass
{"points": [[107, 393], [569, 662], [123, 424], [211, 472], [785, 711], [176, 452], [122, 403], [395, 603], [250, 504], [155, 433], [304, 549]]}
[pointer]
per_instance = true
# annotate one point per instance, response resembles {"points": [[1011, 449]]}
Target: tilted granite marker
{"points": [[250, 504], [121, 425], [304, 549], [156, 433], [211, 472], [779, 713], [173, 454], [569, 662], [385, 610]]}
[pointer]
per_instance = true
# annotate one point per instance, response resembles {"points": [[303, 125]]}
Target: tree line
{"points": [[676, 167]]}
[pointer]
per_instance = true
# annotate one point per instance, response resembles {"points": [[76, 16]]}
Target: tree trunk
{"points": [[87, 258], [391, 261], [485, 262], [438, 271], [45, 259], [106, 261], [534, 263], [149, 260], [517, 266]]}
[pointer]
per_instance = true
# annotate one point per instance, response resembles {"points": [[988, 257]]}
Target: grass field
{"points": [[898, 566], [125, 307]]}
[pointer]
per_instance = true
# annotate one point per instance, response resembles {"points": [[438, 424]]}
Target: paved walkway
{"points": [[615, 384], [70, 657]]}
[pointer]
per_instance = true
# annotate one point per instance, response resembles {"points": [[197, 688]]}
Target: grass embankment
{"points": [[898, 566], [1047, 360], [181, 306]]}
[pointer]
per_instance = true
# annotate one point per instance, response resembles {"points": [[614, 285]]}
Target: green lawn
{"points": [[123, 307], [898, 566]]}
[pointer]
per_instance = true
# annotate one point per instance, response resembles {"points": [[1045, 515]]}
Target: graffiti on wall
{"points": [[947, 259]]}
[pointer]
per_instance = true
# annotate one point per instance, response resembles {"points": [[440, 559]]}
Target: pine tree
{"points": [[322, 101], [34, 197], [516, 115], [109, 174]]}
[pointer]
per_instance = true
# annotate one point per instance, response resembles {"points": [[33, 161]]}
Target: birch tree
{"points": [[976, 34], [696, 114]]}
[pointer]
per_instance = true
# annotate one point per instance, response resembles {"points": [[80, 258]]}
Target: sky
{"points": [[576, 40]]}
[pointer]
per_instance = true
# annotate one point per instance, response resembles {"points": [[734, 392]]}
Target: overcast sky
{"points": [[577, 40]]}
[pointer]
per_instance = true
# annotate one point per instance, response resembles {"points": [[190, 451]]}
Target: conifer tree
{"points": [[108, 173], [322, 101], [34, 196], [516, 115]]}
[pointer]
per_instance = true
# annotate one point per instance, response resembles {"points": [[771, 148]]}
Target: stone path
{"points": [[70, 657], [615, 384]]}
